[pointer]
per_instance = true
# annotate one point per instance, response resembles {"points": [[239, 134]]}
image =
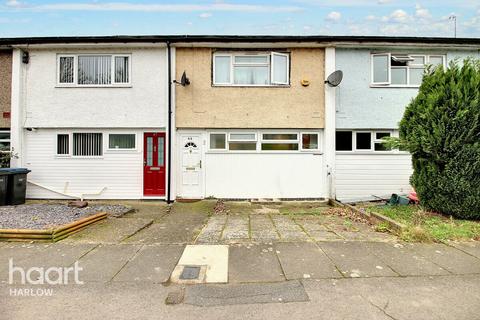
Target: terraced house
{"points": [[238, 117]]}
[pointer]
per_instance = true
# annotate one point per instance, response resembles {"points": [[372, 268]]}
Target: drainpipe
{"points": [[169, 129]]}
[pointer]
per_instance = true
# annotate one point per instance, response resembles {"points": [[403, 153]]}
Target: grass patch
{"points": [[426, 226]]}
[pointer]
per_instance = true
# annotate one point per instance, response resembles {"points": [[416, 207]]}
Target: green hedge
{"points": [[441, 129]]}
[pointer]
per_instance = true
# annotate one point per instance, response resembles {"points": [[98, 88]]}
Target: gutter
{"points": [[169, 127]]}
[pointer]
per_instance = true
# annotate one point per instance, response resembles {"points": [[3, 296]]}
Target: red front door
{"points": [[154, 164]]}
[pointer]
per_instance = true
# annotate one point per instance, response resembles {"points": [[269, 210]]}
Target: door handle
{"points": [[200, 164]]}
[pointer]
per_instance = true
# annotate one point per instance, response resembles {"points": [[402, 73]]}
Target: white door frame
{"points": [[180, 135]]}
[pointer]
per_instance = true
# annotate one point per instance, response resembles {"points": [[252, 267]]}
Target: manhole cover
{"points": [[190, 273]]}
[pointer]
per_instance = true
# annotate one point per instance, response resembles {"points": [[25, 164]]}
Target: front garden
{"points": [[421, 225]]}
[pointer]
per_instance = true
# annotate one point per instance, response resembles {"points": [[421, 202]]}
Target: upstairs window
{"points": [[93, 70], [401, 69], [250, 69]]}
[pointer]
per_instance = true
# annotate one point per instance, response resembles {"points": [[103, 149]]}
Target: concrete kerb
{"points": [[373, 217]]}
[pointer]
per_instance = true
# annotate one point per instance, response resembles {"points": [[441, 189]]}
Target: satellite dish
{"points": [[184, 81], [334, 78]]}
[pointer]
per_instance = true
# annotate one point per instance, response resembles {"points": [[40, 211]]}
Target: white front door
{"points": [[191, 175]]}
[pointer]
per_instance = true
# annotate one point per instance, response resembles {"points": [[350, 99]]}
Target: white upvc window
{"points": [[362, 140], [63, 146], [251, 69], [401, 70], [93, 70], [217, 141], [122, 141], [79, 144], [242, 141], [310, 141], [279, 141], [380, 68]]}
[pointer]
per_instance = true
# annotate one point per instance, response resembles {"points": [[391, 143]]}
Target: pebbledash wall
{"points": [[46, 109], [359, 106], [5, 88]]}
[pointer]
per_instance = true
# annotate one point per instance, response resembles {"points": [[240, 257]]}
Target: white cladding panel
{"points": [[264, 175], [142, 105], [120, 172], [364, 176]]}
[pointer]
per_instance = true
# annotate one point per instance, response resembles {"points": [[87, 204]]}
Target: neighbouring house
{"points": [[237, 117], [90, 117], [251, 124], [380, 79], [5, 101]]}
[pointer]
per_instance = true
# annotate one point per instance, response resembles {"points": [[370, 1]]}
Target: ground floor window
{"points": [[362, 140], [5, 148], [264, 141], [80, 144], [123, 141]]}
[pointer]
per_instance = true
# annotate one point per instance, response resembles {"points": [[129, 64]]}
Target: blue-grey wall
{"points": [[361, 107]]}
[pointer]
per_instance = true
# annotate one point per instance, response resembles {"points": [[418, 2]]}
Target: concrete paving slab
{"points": [[284, 223], [352, 235], [212, 232], [175, 228], [354, 259], [148, 210], [311, 225], [404, 260], [237, 228], [293, 235], [400, 298], [105, 261], [449, 258], [112, 230], [20, 253], [215, 257], [56, 255], [319, 235], [215, 295], [152, 263], [304, 260], [472, 248], [264, 235], [254, 263]]}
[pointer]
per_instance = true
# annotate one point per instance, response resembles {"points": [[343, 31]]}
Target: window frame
{"points": [[87, 157], [70, 148], [232, 55], [284, 141], [355, 140], [373, 140], [310, 150], [389, 69], [426, 59], [242, 140], [376, 140], [120, 149], [218, 132], [112, 83]]}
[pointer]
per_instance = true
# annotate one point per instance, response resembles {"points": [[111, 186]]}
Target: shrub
{"points": [[441, 129]]}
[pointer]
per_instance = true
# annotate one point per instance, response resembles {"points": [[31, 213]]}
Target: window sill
{"points": [[373, 152], [394, 86], [313, 152], [121, 150], [251, 86], [94, 86]]}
